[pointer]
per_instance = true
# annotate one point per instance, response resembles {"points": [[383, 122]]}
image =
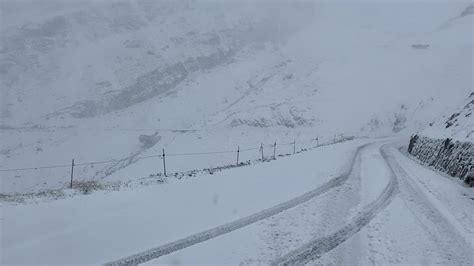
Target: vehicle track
{"points": [[232, 226], [317, 247], [450, 241]]}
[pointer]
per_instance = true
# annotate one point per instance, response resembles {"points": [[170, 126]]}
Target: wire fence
{"points": [[273, 146]]}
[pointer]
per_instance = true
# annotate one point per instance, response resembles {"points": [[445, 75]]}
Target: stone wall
{"points": [[455, 158]]}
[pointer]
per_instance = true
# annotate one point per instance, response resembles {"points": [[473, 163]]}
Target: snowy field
{"points": [[383, 208], [158, 214]]}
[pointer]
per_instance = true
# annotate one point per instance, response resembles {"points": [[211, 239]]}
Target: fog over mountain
{"points": [[81, 75]]}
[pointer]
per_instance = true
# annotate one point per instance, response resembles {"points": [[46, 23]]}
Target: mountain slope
{"points": [[91, 82], [459, 125]]}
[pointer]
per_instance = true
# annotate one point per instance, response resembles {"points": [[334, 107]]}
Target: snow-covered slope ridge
{"points": [[459, 125], [106, 56]]}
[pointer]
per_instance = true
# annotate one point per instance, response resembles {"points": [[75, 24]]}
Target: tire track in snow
{"points": [[317, 247], [453, 244], [232, 226]]}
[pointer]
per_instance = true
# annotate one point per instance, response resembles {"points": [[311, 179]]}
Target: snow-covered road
{"points": [[362, 202], [378, 216]]}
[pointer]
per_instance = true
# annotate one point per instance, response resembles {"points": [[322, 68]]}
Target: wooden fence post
{"points": [[274, 150], [294, 146], [238, 151], [261, 150], [72, 171], [164, 162]]}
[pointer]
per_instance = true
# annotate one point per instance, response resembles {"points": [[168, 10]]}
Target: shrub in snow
{"points": [[87, 187]]}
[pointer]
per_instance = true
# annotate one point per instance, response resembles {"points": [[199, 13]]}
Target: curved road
{"points": [[373, 213], [232, 226]]}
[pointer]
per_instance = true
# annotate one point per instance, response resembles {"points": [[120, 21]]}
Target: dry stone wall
{"points": [[455, 158]]}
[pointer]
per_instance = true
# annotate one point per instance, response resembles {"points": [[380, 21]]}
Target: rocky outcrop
{"points": [[455, 158], [149, 85]]}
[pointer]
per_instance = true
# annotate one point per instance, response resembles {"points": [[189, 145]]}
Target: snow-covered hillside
{"points": [[459, 125], [448, 144], [120, 80]]}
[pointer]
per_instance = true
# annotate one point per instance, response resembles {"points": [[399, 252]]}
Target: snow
{"points": [[417, 227], [397, 234], [457, 125], [448, 194], [92, 81], [312, 77], [270, 239], [104, 226]]}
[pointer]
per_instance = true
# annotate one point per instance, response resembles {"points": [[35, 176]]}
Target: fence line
{"points": [[35, 168], [199, 153], [151, 156], [77, 164], [162, 156]]}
